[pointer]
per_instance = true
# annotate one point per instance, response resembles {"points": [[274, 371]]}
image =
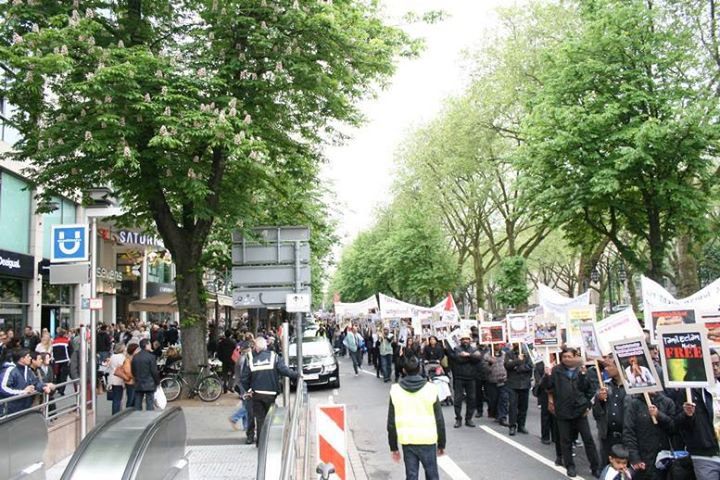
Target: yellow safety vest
{"points": [[414, 415]]}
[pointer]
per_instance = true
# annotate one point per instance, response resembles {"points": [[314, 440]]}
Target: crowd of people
{"points": [[670, 437]]}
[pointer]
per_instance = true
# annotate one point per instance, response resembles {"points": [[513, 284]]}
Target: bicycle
{"points": [[208, 386]]}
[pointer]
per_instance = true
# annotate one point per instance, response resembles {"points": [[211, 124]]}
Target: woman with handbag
{"points": [[117, 377], [131, 351]]}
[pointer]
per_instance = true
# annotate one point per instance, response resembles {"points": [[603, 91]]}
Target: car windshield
{"points": [[317, 349]]}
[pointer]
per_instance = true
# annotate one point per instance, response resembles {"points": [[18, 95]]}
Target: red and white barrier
{"points": [[331, 441]]}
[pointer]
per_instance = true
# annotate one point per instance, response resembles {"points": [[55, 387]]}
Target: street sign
{"points": [[96, 304], [69, 243], [263, 297], [247, 253], [70, 273], [297, 303], [84, 303], [275, 234], [270, 275]]}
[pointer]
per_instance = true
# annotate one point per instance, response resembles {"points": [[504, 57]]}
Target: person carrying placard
{"points": [[608, 410]]}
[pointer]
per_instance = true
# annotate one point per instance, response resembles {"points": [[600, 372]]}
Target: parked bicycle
{"points": [[207, 386]]}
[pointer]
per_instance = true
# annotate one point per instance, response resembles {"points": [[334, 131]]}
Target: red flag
{"points": [[449, 303]]}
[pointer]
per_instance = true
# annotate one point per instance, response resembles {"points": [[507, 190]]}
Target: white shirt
{"points": [[116, 360]]}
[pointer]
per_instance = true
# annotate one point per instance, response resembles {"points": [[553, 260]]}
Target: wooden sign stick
{"points": [[649, 404], [688, 395], [599, 375]]}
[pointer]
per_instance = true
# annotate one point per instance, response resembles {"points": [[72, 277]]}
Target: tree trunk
{"points": [[657, 248], [193, 314], [479, 271], [687, 267]]}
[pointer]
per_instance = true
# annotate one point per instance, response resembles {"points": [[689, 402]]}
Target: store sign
{"points": [[127, 237], [16, 264], [102, 273]]}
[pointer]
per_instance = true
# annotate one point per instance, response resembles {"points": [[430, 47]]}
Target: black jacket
{"points": [[642, 438], [572, 394], [519, 371], [145, 371], [611, 411], [482, 368], [264, 380], [413, 383], [433, 354], [697, 431], [103, 342], [226, 347], [463, 367], [172, 336]]}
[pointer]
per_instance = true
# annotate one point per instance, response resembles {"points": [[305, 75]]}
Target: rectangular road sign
{"points": [[297, 303], [263, 297], [70, 274], [275, 234], [269, 275], [96, 304], [69, 243], [273, 253]]}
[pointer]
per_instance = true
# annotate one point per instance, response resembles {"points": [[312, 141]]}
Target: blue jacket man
{"points": [[17, 378]]}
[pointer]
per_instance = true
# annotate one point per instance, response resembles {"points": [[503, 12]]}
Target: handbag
{"points": [[120, 373], [109, 393]]}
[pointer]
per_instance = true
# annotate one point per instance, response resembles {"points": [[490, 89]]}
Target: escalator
{"points": [[23, 439], [134, 445]]}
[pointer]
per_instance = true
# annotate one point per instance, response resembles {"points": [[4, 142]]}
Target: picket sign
{"points": [[331, 437]]}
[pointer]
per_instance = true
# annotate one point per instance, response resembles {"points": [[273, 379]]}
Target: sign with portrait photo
{"points": [[635, 366], [590, 342], [518, 327], [685, 356], [545, 329], [576, 317], [492, 332]]}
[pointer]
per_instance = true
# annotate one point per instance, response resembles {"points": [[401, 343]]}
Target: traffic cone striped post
{"points": [[331, 431]]}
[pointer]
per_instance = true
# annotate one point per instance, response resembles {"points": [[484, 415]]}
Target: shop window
{"points": [[15, 213], [12, 290], [56, 294]]}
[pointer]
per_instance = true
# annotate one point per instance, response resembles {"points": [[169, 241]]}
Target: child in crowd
{"points": [[617, 469]]}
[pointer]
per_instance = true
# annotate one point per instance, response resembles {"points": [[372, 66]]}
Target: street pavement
{"points": [[484, 452]]}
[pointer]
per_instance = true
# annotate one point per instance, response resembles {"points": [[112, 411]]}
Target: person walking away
{"points": [[386, 354], [117, 377], [572, 391], [244, 410], [699, 424], [260, 378], [61, 352], [645, 439], [131, 350], [465, 357], [147, 378], [519, 378], [226, 347], [352, 343], [103, 344], [609, 410], [415, 421]]}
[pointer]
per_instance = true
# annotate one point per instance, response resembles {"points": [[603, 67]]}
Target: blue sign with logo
{"points": [[69, 243]]}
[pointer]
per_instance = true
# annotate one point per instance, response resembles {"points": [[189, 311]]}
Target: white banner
{"points": [[553, 302], [620, 326], [394, 308], [356, 309]]}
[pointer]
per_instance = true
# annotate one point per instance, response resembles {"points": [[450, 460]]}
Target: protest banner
{"points": [[468, 325], [590, 342], [553, 302], [356, 309], [518, 327], [619, 326], [635, 365], [492, 332], [710, 319], [453, 338], [546, 332], [685, 356], [575, 317], [441, 329]]}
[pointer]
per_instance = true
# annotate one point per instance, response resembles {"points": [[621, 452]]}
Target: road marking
{"points": [[451, 468], [369, 373], [527, 451]]}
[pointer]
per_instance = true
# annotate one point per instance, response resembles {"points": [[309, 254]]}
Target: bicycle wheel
{"points": [[209, 389], [171, 387]]}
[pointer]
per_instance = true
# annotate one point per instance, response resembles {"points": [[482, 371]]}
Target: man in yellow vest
{"points": [[416, 422]]}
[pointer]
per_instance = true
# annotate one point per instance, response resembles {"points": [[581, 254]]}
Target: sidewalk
{"points": [[215, 450]]}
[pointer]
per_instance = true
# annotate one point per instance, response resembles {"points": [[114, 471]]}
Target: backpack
{"points": [[236, 354]]}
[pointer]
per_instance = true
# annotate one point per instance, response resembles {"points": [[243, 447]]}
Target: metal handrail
{"points": [[44, 405], [290, 445]]}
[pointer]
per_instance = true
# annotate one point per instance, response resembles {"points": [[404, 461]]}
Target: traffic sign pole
{"points": [[93, 321], [298, 315]]}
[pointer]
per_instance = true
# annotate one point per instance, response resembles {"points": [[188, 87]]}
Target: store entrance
{"points": [[50, 319]]}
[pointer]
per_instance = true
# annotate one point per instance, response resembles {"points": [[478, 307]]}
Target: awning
{"points": [[166, 303]]}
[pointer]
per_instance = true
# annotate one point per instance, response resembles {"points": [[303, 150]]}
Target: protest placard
{"points": [[635, 365], [545, 329], [685, 356], [621, 325], [710, 319], [590, 342], [575, 317], [441, 329], [670, 315], [492, 332], [518, 327]]}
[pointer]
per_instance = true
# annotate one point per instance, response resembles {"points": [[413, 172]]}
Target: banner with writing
{"points": [[685, 356]]}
